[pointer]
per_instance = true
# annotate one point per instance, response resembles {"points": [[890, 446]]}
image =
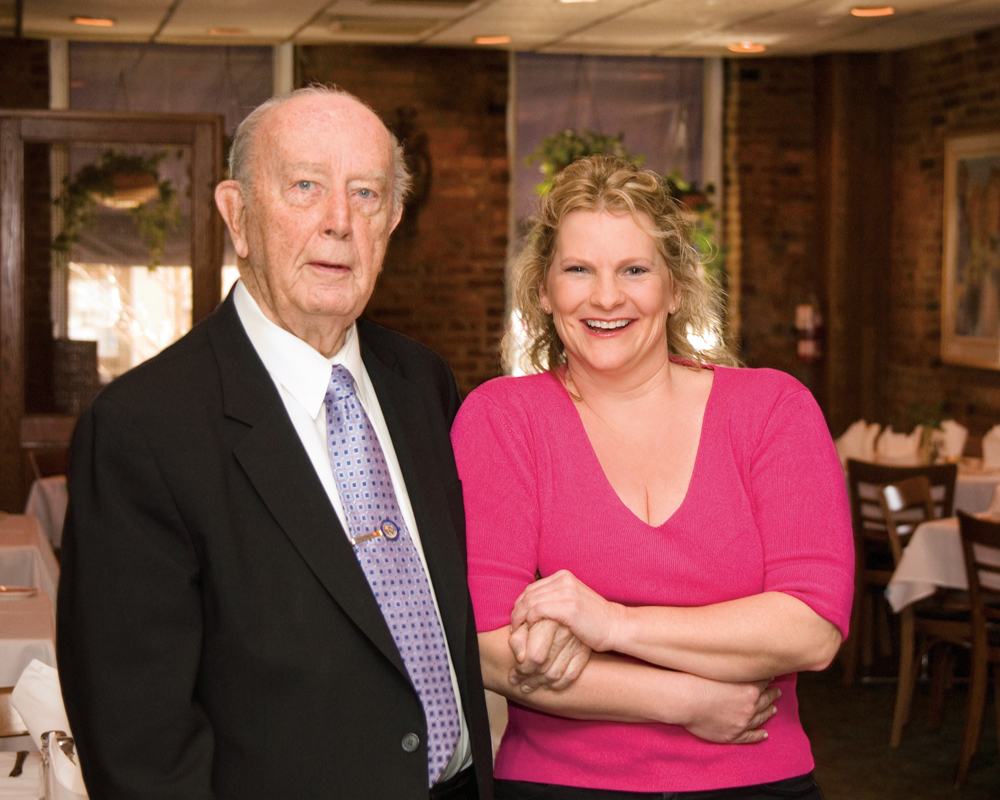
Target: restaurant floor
{"points": [[849, 729]]}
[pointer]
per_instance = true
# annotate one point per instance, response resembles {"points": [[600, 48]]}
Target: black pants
{"points": [[800, 788], [459, 787]]}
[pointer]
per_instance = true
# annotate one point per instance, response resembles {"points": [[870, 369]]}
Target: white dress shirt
{"points": [[302, 376]]}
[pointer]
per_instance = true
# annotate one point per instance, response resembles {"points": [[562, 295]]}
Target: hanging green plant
{"points": [[125, 182], [558, 151], [703, 216]]}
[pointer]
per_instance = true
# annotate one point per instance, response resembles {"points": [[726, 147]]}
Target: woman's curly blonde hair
{"points": [[607, 183]]}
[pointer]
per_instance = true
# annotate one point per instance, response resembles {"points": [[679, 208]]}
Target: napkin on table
{"points": [[991, 447], [37, 697], [899, 448], [858, 442], [951, 439]]}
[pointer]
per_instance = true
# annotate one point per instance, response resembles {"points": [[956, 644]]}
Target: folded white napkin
{"points": [[951, 440], [899, 448], [991, 447], [858, 442], [68, 783], [38, 699]]}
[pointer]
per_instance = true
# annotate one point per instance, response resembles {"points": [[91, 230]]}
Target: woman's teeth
{"points": [[603, 325]]}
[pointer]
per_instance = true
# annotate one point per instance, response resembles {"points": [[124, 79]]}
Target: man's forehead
{"points": [[311, 129]]}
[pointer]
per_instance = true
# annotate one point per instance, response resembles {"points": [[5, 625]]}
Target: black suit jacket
{"points": [[216, 635]]}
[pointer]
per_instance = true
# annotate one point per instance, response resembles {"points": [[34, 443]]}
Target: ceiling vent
{"points": [[379, 26], [454, 4]]}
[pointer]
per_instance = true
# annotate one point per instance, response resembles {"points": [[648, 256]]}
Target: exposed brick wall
{"points": [[443, 282], [24, 83], [776, 156], [940, 89]]}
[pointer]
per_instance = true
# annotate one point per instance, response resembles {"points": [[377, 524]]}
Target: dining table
{"points": [[932, 560], [26, 555], [975, 487], [47, 501], [27, 631]]}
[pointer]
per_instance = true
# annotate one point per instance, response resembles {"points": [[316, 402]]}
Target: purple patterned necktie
{"points": [[391, 563]]}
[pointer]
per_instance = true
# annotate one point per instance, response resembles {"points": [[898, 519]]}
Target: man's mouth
{"points": [[329, 265], [606, 324]]}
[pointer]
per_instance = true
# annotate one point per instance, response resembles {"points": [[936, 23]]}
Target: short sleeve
{"points": [[800, 503], [496, 463]]}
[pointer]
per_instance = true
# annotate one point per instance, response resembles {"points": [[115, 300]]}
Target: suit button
{"points": [[411, 742]]}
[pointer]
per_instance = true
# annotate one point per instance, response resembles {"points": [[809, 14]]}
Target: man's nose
{"points": [[337, 215]]}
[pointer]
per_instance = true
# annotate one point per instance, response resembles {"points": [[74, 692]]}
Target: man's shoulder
{"points": [[389, 344], [173, 374]]}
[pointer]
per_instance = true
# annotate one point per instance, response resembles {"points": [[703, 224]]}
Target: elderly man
{"points": [[264, 590]]}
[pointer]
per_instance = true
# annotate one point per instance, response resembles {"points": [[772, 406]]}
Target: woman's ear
{"points": [[229, 201], [543, 298]]}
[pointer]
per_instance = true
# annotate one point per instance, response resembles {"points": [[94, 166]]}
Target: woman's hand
{"points": [[730, 713], [546, 654], [561, 597]]}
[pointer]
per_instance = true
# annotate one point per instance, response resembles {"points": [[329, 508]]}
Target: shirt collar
{"points": [[294, 365]]}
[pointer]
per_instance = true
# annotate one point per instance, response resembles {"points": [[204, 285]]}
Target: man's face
{"points": [[318, 216]]}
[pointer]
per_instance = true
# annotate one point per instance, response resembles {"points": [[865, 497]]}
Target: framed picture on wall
{"points": [[970, 297]]}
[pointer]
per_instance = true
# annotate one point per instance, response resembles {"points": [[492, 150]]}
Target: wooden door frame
{"points": [[200, 132]]}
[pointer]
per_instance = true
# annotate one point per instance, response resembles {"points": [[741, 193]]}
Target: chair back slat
{"points": [[981, 549], [865, 481], [904, 505]]}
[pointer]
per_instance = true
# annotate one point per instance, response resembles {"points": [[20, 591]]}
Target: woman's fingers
{"points": [[546, 654], [564, 599]]}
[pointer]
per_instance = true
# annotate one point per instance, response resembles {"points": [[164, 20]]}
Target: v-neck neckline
{"points": [[595, 466]]}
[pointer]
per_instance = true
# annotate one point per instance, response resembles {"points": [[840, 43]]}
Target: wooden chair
{"points": [[939, 622], [47, 462], [873, 555], [981, 549]]}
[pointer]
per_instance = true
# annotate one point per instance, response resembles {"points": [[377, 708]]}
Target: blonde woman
{"points": [[687, 519]]}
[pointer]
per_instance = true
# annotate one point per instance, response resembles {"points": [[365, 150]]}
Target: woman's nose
{"points": [[607, 292]]}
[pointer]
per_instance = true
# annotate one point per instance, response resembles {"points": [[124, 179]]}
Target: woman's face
{"points": [[609, 292]]}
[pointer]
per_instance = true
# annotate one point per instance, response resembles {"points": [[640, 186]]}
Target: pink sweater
{"points": [[766, 510]]}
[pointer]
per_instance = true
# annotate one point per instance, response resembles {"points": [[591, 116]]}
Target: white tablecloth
{"points": [[47, 501], [931, 560], [25, 786], [26, 557], [974, 489], [27, 631]]}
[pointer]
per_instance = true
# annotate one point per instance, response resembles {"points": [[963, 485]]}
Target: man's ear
{"points": [[229, 201], [396, 220]]}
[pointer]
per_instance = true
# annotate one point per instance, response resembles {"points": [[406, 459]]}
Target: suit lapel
{"points": [[406, 417], [276, 464]]}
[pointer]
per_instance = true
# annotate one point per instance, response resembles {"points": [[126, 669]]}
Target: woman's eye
{"points": [[635, 270]]}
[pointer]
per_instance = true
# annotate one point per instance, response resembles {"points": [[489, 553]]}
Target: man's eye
{"points": [[305, 186], [366, 194]]}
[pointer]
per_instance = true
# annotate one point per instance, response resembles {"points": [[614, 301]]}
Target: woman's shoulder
{"points": [[758, 384], [542, 387], [528, 405]]}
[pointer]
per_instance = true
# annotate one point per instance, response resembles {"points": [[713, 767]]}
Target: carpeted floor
{"points": [[849, 728]]}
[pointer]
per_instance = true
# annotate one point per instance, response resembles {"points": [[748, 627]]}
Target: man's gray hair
{"points": [[241, 153]]}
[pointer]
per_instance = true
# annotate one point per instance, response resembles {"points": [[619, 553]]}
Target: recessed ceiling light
{"points": [[872, 11], [492, 40], [747, 47], [226, 31], [94, 22]]}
